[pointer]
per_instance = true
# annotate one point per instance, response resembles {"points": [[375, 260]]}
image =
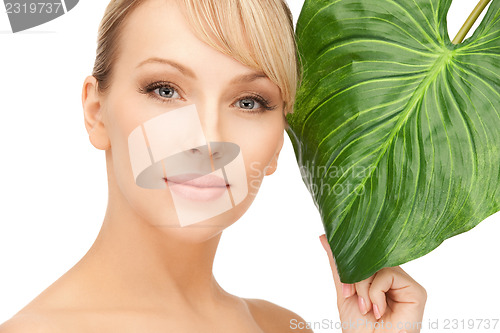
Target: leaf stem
{"points": [[470, 21]]}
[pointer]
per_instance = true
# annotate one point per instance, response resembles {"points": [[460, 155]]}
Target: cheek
{"points": [[124, 116], [258, 152], [122, 120]]}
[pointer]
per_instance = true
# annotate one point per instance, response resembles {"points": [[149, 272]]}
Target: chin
{"points": [[201, 231], [191, 234]]}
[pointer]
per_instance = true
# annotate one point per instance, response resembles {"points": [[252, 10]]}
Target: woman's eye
{"points": [[249, 104], [167, 92]]}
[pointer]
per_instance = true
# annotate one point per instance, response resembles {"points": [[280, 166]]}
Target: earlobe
{"points": [[92, 113]]}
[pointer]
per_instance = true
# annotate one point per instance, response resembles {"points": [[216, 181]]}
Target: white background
{"points": [[53, 195]]}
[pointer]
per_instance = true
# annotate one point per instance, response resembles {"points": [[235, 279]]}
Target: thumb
{"points": [[333, 266]]}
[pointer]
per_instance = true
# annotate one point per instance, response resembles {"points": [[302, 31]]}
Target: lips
{"points": [[196, 187], [198, 180]]}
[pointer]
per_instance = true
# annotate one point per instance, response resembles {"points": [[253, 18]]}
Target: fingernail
{"points": [[362, 305], [376, 312], [346, 289]]}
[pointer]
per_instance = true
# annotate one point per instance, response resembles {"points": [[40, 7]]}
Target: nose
{"points": [[209, 115], [216, 150], [213, 150]]}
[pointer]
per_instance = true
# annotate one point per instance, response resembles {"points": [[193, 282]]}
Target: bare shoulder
{"points": [[25, 323], [274, 318]]}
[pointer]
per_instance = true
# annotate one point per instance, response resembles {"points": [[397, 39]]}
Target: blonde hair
{"points": [[258, 33]]}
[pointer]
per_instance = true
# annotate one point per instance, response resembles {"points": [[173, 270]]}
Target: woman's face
{"points": [[162, 67]]}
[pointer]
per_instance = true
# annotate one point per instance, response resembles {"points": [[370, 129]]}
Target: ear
{"points": [[274, 163], [92, 113]]}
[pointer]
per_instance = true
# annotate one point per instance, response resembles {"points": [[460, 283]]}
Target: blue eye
{"points": [[249, 104], [162, 91], [254, 103], [167, 92]]}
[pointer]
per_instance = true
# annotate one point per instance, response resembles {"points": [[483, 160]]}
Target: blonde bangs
{"points": [[258, 33]]}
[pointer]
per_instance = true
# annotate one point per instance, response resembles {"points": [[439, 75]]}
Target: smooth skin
{"points": [[139, 276]]}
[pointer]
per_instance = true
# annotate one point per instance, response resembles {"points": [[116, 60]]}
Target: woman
{"points": [[170, 76]]}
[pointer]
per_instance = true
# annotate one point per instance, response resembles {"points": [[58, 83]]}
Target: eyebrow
{"points": [[248, 78], [184, 70], [188, 72]]}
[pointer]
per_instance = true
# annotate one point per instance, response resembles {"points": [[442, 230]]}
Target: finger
{"points": [[405, 289], [398, 285], [333, 265], [343, 290], [381, 283], [362, 289]]}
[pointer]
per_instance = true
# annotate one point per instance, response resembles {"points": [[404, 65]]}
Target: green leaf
{"points": [[395, 129]]}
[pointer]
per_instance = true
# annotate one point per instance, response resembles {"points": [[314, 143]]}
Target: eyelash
{"points": [[265, 105], [150, 88]]}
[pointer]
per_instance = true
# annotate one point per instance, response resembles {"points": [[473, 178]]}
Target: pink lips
{"points": [[197, 187]]}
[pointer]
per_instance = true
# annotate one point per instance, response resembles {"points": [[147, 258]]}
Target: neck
{"points": [[147, 266]]}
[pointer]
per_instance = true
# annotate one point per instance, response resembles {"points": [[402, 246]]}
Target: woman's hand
{"points": [[388, 301]]}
